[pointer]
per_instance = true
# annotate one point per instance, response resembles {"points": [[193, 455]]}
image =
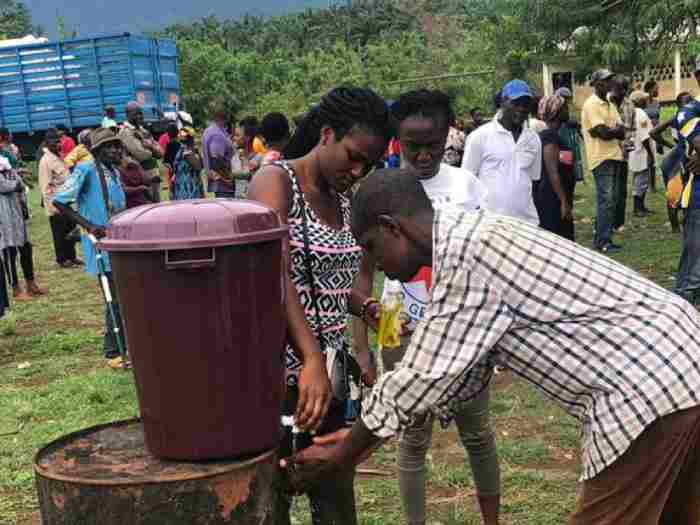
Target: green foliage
{"points": [[287, 63], [15, 19]]}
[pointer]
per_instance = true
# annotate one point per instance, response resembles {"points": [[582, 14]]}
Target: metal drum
{"points": [[104, 475]]}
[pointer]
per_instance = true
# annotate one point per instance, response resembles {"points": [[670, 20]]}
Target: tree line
{"points": [[285, 63]]}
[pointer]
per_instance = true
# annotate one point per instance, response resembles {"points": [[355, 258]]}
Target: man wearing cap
{"points": [[603, 134], [96, 188], [688, 122], [142, 147], [507, 155], [110, 118]]}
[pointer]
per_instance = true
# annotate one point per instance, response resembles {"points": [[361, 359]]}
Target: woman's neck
{"points": [[308, 168]]}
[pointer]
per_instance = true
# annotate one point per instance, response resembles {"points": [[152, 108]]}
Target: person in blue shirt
{"points": [[674, 163], [96, 189], [688, 279]]}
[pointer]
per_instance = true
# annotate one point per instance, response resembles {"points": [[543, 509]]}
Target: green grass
{"points": [[53, 381]]}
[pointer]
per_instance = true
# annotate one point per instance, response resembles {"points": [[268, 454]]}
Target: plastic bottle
{"points": [[389, 334]]}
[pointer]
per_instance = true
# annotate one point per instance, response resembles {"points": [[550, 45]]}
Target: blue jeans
{"points": [[621, 198], [607, 177], [688, 279]]}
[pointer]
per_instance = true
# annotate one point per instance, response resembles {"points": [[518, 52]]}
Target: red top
{"points": [[67, 145], [132, 177], [164, 140]]}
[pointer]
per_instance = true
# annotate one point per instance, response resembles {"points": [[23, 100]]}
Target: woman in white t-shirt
{"points": [[424, 119], [641, 158]]}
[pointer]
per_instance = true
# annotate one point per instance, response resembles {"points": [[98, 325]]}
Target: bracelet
{"points": [[365, 307]]}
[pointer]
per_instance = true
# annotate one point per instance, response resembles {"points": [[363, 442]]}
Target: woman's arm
{"points": [[551, 166], [362, 290], [272, 187]]}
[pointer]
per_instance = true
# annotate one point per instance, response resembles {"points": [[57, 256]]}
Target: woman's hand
{"points": [[566, 210], [368, 364], [374, 312], [314, 393]]}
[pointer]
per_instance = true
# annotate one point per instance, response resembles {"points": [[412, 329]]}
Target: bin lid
{"points": [[199, 223]]}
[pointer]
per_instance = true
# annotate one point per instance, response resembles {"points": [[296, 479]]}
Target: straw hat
{"points": [[102, 136]]}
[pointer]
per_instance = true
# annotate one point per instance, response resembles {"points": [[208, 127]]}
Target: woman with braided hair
{"points": [[335, 146], [554, 194]]}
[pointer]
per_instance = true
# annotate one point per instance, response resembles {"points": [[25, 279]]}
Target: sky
{"points": [[92, 17]]}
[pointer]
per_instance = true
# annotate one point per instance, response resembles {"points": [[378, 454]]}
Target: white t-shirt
{"points": [[506, 168], [450, 187], [638, 156]]}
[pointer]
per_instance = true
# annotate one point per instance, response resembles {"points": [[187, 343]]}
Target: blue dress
{"points": [[188, 181]]}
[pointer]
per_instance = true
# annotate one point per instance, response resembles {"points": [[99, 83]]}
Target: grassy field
{"points": [[53, 381]]}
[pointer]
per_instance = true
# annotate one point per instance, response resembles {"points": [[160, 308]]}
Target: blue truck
{"points": [[72, 81]]}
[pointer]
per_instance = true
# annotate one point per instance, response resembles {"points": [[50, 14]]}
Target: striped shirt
{"points": [[615, 350]]}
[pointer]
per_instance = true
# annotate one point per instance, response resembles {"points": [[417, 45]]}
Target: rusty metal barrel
{"points": [[104, 475]]}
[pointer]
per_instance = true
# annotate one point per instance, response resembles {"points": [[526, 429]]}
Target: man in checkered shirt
{"points": [[615, 350]]}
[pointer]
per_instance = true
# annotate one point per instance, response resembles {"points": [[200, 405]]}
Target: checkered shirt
{"points": [[615, 350]]}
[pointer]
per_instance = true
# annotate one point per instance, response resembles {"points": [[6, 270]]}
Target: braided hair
{"points": [[434, 105], [343, 110]]}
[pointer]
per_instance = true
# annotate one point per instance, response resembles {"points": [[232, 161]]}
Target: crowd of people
{"points": [[473, 225]]}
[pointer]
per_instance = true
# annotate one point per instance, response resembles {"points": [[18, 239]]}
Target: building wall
{"points": [[664, 74]]}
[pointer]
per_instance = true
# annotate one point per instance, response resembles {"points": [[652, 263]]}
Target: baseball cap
{"points": [[601, 74], [516, 89], [637, 96], [564, 92]]}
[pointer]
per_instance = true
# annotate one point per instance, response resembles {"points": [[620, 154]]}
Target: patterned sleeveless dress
{"points": [[335, 262], [187, 181]]}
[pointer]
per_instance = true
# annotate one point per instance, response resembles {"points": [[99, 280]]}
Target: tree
{"points": [[622, 34], [15, 19]]}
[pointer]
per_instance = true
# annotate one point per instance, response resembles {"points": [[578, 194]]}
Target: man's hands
{"points": [[322, 459], [314, 393], [98, 231], [329, 454]]}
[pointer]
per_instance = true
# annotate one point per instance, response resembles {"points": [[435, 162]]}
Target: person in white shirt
{"points": [[641, 158], [424, 118], [506, 155]]}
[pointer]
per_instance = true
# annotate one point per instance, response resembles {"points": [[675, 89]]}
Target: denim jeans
{"points": [[688, 279], [607, 178], [621, 197]]}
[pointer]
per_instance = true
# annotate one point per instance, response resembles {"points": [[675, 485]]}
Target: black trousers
{"points": [[61, 226], [25, 260]]}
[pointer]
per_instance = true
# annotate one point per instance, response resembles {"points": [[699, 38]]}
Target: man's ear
{"points": [[389, 223]]}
